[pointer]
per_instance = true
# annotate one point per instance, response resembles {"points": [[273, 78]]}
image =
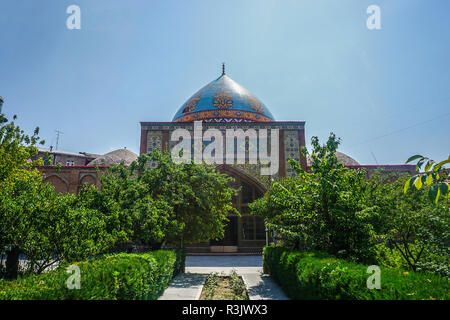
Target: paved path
{"points": [[209, 264], [188, 286], [262, 287]]}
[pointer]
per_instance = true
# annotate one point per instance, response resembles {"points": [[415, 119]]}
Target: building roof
{"points": [[90, 155], [68, 153], [223, 100], [342, 157], [114, 158]]}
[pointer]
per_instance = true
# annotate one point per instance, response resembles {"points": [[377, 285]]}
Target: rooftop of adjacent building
{"points": [[68, 153], [90, 159]]}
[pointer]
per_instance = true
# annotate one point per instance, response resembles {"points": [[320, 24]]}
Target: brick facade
{"points": [[70, 179]]}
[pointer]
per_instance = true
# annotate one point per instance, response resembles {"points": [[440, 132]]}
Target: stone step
{"points": [[224, 250]]}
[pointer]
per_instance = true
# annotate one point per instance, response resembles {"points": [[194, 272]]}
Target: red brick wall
{"points": [[302, 143], [143, 146], [71, 178]]}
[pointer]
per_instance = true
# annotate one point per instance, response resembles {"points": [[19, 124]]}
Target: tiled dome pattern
{"points": [[223, 100]]}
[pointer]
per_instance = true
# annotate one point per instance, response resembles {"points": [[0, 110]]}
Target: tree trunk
{"points": [[12, 263]]}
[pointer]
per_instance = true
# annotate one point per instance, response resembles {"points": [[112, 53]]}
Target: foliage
{"points": [[210, 286], [316, 275], [174, 203], [222, 287], [437, 262], [415, 228], [118, 276], [180, 260], [388, 256], [434, 176], [321, 209], [16, 150], [237, 284], [200, 196], [133, 215], [47, 227], [339, 211], [415, 231]]}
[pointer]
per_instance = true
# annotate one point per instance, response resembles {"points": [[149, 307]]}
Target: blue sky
{"points": [[384, 92]]}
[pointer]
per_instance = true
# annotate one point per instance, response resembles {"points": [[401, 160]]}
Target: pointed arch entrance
{"points": [[247, 232]]}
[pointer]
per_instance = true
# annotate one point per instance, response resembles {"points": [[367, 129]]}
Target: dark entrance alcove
{"points": [[246, 231], [230, 238]]}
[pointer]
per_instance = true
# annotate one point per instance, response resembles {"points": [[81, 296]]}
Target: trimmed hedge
{"points": [[117, 276], [316, 275]]}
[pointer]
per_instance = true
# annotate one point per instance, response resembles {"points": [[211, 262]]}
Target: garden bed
{"points": [[223, 287]]}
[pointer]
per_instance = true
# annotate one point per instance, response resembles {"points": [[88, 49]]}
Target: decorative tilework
{"points": [[251, 169], [254, 170], [154, 141], [192, 103], [291, 150], [223, 100], [255, 104], [282, 125], [224, 116]]}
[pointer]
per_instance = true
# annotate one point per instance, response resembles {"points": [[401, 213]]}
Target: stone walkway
{"points": [[185, 286], [188, 286]]}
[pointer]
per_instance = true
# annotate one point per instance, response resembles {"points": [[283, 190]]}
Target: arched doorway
{"points": [[245, 233]]}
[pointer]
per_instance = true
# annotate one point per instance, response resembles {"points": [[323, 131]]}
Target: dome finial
{"points": [[223, 68]]}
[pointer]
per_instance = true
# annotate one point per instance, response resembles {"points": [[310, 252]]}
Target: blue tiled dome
{"points": [[223, 100]]}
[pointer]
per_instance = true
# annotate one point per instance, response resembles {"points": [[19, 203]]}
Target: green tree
{"points": [[16, 150], [48, 227], [125, 200], [434, 175], [414, 228], [169, 203], [200, 196], [320, 209], [45, 226]]}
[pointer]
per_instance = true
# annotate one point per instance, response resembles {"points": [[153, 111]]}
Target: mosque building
{"points": [[222, 104]]}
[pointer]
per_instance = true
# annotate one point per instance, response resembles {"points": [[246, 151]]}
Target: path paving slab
{"points": [[227, 270], [188, 286], [224, 261], [262, 287], [185, 286]]}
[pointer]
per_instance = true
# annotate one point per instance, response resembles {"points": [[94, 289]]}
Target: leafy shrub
{"points": [[416, 229], [210, 285], [237, 284], [389, 257], [118, 276], [317, 275], [322, 208], [437, 262], [170, 203], [180, 262]]}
